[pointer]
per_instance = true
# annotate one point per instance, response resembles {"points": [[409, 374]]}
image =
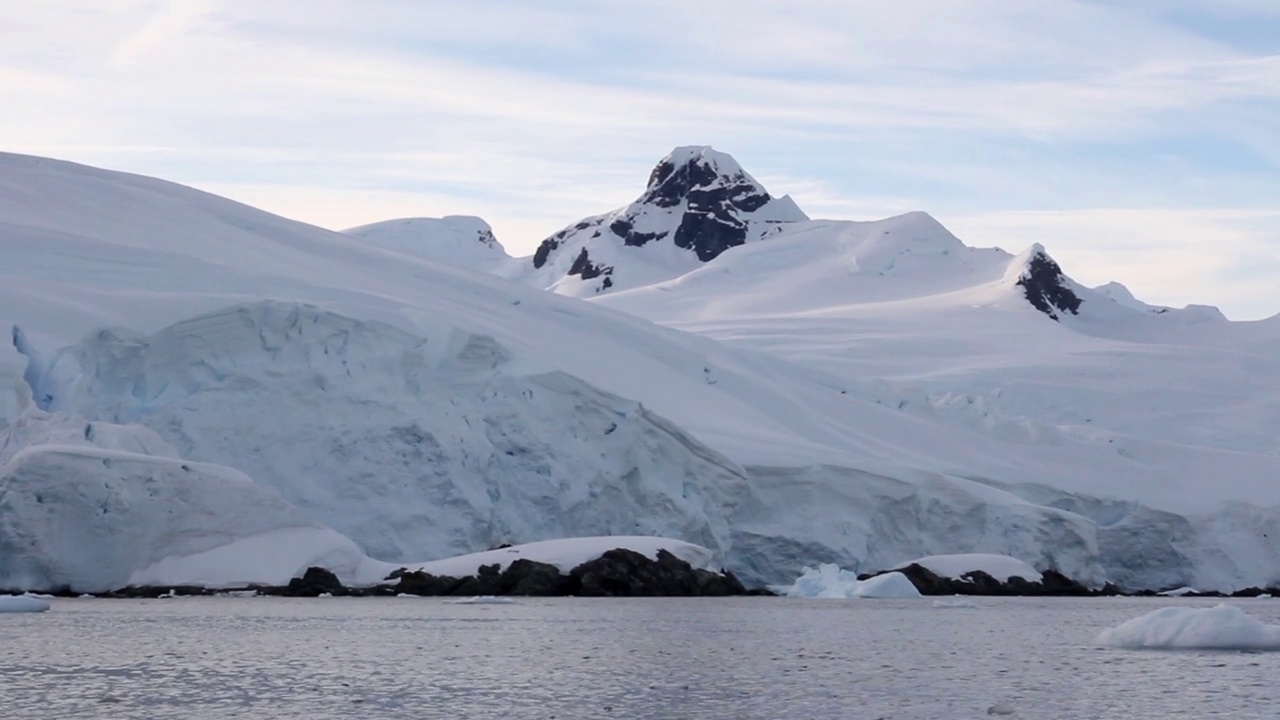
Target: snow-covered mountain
{"points": [[698, 203], [1176, 404], [899, 395]]}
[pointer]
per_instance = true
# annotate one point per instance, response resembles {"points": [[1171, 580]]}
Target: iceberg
{"points": [[1224, 627], [22, 604], [829, 581]]}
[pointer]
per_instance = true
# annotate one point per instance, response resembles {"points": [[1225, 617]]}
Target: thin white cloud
{"points": [[167, 26]]}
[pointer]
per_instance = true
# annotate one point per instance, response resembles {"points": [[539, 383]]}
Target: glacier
{"points": [[87, 506], [826, 391]]}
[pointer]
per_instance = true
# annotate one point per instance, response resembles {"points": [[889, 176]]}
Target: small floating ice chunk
{"points": [[1179, 592], [954, 603], [1224, 627], [22, 604], [1001, 709], [485, 600]]}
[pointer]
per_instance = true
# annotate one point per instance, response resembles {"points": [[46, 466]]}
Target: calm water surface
{"points": [[577, 658]]}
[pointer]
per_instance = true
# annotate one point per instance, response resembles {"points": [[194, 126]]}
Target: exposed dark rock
{"points": [[528, 577], [1272, 590], [626, 573], [583, 266], [624, 229], [1055, 583], [707, 199], [150, 592], [316, 581], [417, 582], [1046, 288], [544, 250], [709, 233], [981, 583], [484, 582]]}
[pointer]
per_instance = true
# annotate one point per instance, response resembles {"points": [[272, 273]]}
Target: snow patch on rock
{"points": [[1000, 567], [567, 553], [457, 240]]}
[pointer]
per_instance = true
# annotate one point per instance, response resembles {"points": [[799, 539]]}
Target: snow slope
{"points": [[426, 411], [458, 240]]}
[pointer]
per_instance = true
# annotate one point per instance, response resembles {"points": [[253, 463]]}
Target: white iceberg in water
{"points": [[22, 604], [829, 581], [1224, 627]]}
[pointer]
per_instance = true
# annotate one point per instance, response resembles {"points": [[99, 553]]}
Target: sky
{"points": [[1138, 140]]}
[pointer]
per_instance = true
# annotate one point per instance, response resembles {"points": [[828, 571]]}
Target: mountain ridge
{"points": [[863, 430]]}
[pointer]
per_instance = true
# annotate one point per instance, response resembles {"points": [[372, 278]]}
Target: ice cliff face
{"points": [[421, 447], [413, 446], [698, 204], [87, 506]]}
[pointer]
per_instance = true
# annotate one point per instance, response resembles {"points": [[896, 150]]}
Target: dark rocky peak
{"points": [[716, 200], [697, 199], [587, 270], [1044, 285], [701, 175]]}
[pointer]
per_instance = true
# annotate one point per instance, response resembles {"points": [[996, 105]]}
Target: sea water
{"points": [[744, 658]]}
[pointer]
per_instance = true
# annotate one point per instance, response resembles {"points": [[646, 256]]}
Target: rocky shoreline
{"points": [[626, 573], [1052, 584], [616, 573]]}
